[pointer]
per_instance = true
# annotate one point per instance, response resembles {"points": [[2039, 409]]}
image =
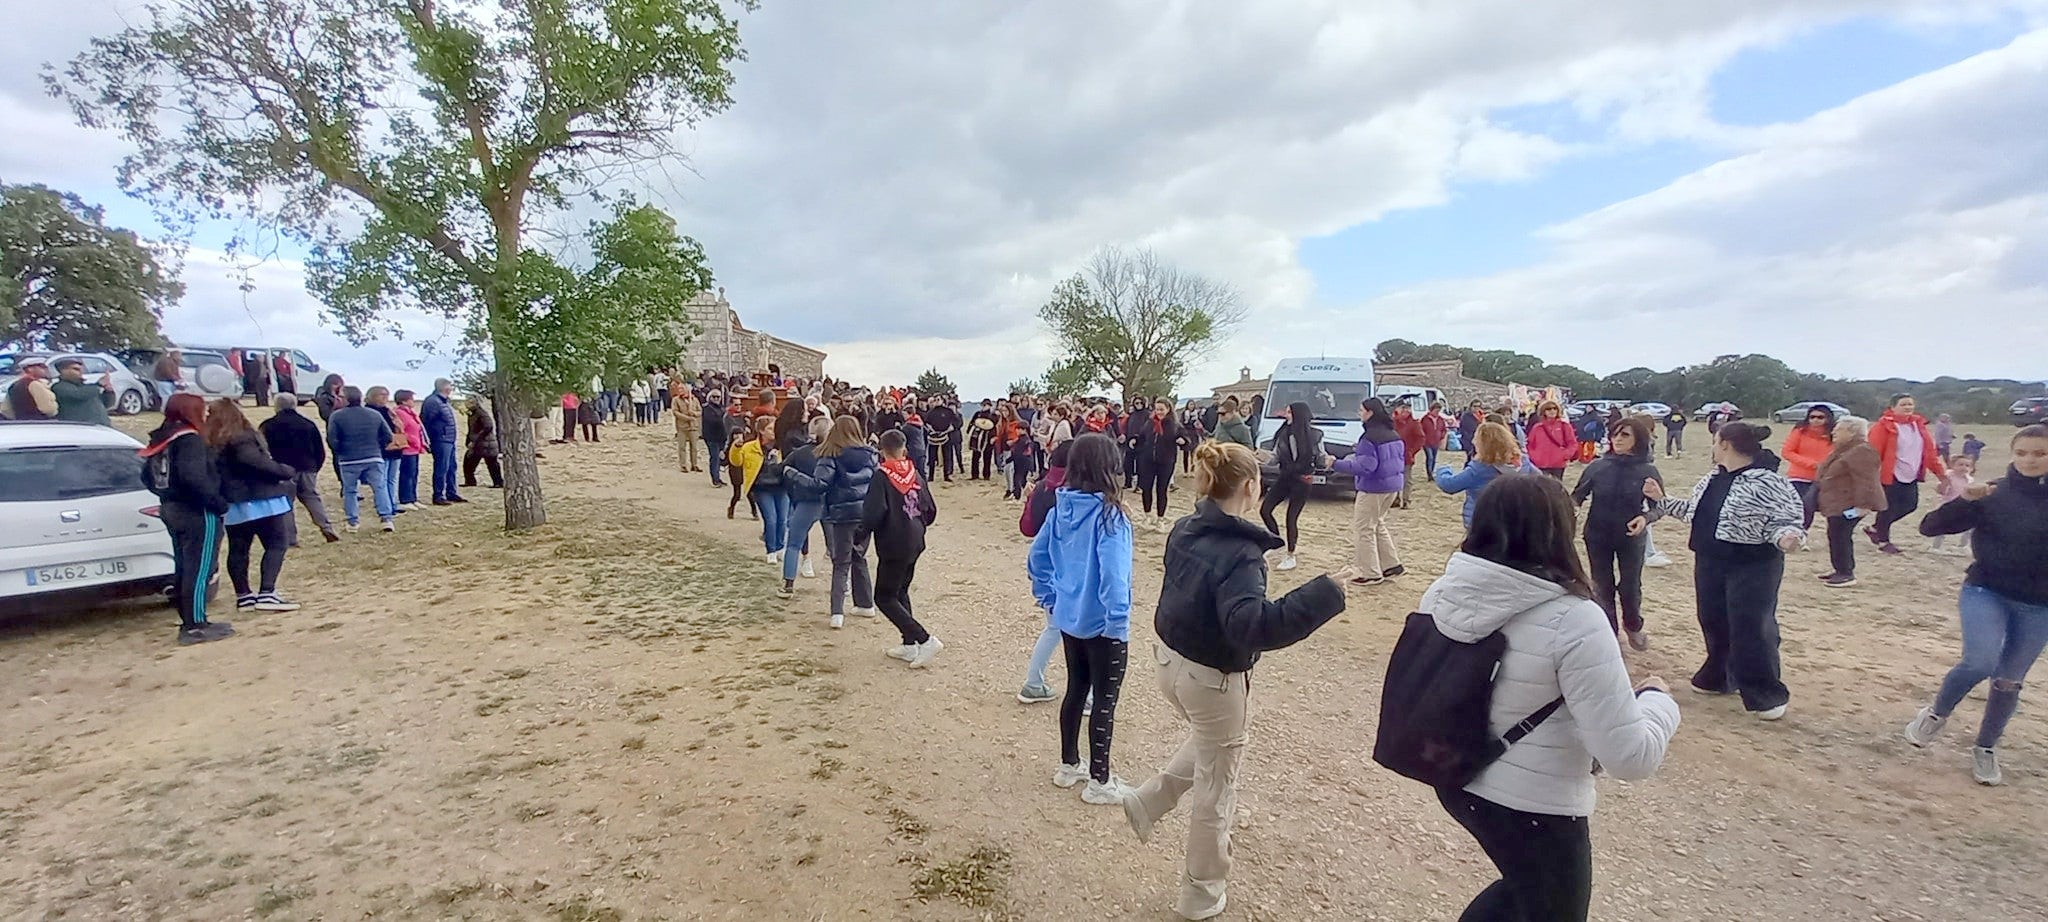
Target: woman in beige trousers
{"points": [[1378, 469], [1213, 621]]}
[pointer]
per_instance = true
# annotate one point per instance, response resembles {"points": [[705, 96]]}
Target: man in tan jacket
{"points": [[689, 416]]}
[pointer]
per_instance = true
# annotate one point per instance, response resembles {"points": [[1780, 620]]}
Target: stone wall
{"points": [[1447, 376], [722, 343]]}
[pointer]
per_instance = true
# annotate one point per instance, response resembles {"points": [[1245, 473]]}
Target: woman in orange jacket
{"points": [[1907, 456], [1806, 446]]}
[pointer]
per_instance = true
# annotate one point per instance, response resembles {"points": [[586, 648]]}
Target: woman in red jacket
{"points": [[1552, 443], [1906, 455], [1412, 440], [1805, 448]]}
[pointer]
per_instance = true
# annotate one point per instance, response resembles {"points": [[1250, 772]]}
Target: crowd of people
{"points": [[856, 466]]}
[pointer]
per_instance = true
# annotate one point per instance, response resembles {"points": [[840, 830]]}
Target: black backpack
{"points": [[1435, 705]]}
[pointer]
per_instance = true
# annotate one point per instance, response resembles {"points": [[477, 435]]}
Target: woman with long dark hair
{"points": [[178, 467], [1080, 567], [1297, 449], [1616, 523], [1154, 440], [258, 490], [1519, 575], [1744, 518], [1806, 446]]}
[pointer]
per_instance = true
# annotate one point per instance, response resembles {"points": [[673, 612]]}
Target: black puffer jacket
{"points": [[248, 472], [1212, 605], [800, 474], [2011, 536], [1298, 446], [1156, 440], [847, 479]]}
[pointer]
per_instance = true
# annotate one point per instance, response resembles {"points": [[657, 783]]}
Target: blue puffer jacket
{"points": [[1377, 464], [437, 416], [846, 480]]}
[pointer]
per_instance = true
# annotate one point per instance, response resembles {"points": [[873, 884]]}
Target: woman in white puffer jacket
{"points": [[1519, 574]]}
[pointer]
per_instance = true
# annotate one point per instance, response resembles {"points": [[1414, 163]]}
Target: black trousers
{"points": [[568, 425], [195, 553], [276, 534], [471, 458], [1130, 468], [1094, 666], [1294, 493], [1020, 477], [1738, 612], [984, 463], [948, 458], [590, 432], [1842, 544], [1545, 861], [1615, 563], [1900, 501], [892, 596], [1153, 477]]}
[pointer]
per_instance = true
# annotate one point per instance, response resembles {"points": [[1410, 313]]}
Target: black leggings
{"points": [[1545, 861], [1616, 565], [590, 432], [1901, 499], [1294, 493], [275, 533], [1153, 477], [984, 463], [892, 596], [1094, 665], [1842, 545]]}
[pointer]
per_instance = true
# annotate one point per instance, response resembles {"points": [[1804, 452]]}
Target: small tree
{"points": [[932, 383], [1028, 387], [73, 282], [411, 144], [1136, 321]]}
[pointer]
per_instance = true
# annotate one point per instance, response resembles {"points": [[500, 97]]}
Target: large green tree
{"points": [[931, 382], [415, 146], [1137, 321], [72, 281]]}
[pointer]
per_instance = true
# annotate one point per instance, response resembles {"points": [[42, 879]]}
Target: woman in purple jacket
{"points": [[1377, 467]]}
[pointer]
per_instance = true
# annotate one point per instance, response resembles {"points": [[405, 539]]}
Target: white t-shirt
{"points": [[1912, 448]]}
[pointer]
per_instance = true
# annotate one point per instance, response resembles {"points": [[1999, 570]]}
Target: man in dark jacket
{"points": [[79, 401], [295, 442], [357, 435], [330, 397], [896, 512], [942, 424], [437, 416], [1468, 428], [716, 422]]}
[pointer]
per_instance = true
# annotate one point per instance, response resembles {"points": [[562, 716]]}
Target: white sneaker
{"points": [[1657, 560], [1067, 776], [859, 612], [1924, 727], [838, 621], [1103, 795], [774, 556], [351, 528], [1287, 562], [901, 651], [388, 526], [1984, 766], [922, 655], [1776, 713], [805, 570]]}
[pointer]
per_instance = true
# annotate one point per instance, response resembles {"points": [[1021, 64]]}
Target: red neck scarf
{"points": [[903, 474]]}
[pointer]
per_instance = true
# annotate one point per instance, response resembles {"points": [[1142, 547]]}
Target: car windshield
{"points": [[50, 474], [1335, 400]]}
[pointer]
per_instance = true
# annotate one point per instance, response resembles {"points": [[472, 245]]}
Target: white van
{"points": [[1333, 390], [1418, 399]]}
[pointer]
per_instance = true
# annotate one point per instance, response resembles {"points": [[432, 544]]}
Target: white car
{"points": [[1651, 409], [75, 521]]}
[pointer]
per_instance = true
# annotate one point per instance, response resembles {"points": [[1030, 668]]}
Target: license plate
{"points": [[77, 572], [1318, 479]]}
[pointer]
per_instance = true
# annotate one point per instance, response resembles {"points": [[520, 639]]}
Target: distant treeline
{"points": [[1759, 384]]}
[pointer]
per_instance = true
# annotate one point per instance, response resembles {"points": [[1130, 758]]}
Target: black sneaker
{"points": [[204, 633], [1396, 570], [245, 602], [457, 499], [1839, 581]]}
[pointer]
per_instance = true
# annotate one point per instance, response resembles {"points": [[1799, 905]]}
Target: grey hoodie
{"points": [[1558, 644]]}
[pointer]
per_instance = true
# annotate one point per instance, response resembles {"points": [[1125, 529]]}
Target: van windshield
{"points": [[1333, 400]]}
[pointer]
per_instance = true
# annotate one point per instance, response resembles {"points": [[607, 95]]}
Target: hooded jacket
{"points": [[1614, 482], [1847, 479], [1757, 509], [294, 441], [1378, 463], [1039, 506], [1803, 452], [897, 514], [1884, 436], [1552, 444], [1412, 437], [1080, 567], [1473, 479], [1213, 608], [846, 480], [2010, 545], [248, 472], [1298, 446], [1558, 645], [178, 468]]}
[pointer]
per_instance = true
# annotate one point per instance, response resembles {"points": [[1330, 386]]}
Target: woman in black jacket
{"points": [[1213, 621], [1297, 448], [178, 467], [1616, 522], [258, 491], [1154, 441], [481, 446], [2004, 605]]}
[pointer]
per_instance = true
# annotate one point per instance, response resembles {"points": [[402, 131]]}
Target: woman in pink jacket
{"points": [[1552, 444], [408, 413]]}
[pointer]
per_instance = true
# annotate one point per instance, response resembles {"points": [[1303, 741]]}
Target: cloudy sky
{"points": [[1859, 187]]}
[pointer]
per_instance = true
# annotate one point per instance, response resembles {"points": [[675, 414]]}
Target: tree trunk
{"points": [[516, 445]]}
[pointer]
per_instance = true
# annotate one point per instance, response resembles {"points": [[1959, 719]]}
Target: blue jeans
{"points": [[774, 517], [444, 469], [2002, 637], [1429, 456], [1041, 654], [407, 489], [802, 517], [369, 472]]}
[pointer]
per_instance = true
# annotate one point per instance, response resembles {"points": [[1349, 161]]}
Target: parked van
{"points": [[277, 361], [1333, 390]]}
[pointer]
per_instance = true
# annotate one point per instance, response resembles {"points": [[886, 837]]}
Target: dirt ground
{"points": [[614, 718]]}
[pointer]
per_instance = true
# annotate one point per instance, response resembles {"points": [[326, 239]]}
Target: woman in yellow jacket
{"points": [[743, 460]]}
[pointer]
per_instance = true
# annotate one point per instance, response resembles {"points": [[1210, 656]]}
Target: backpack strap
{"points": [[1531, 722]]}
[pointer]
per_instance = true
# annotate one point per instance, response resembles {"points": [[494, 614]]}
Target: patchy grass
{"points": [[274, 897], [977, 880], [581, 909]]}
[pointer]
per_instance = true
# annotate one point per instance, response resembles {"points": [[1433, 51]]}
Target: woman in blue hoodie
{"points": [[1080, 568], [1378, 466], [1493, 453]]}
